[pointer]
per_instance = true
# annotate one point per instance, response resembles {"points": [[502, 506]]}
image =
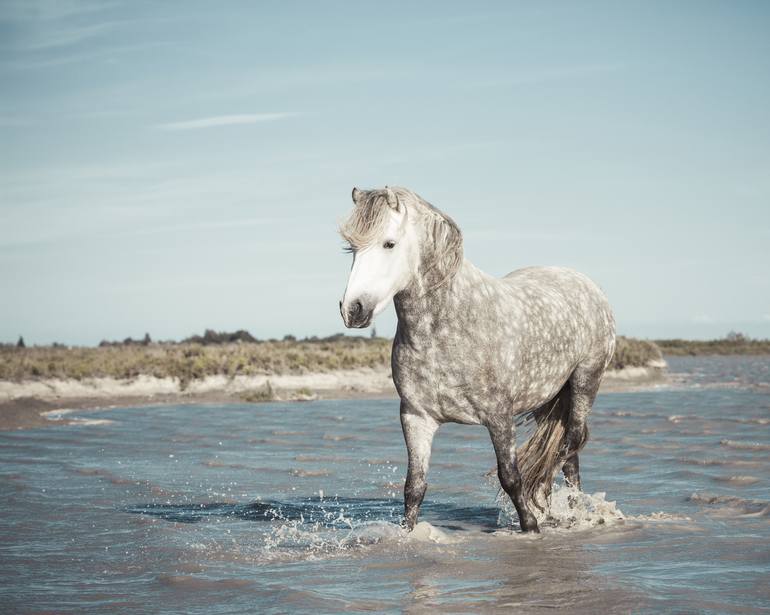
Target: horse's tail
{"points": [[538, 458]]}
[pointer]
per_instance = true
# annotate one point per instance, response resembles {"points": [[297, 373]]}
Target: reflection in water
{"points": [[330, 512], [276, 508]]}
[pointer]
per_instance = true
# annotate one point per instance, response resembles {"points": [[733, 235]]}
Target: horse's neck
{"points": [[424, 312]]}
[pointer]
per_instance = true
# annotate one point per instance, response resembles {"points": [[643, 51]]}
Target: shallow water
{"points": [[295, 507]]}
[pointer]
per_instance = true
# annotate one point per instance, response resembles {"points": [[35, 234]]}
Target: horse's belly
{"points": [[538, 379], [456, 413]]}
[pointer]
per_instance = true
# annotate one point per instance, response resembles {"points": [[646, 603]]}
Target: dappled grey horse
{"points": [[474, 349]]}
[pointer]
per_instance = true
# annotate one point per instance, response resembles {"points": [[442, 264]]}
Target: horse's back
{"points": [[558, 283], [569, 303], [550, 274]]}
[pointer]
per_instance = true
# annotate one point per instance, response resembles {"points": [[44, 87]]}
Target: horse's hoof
{"points": [[532, 530]]}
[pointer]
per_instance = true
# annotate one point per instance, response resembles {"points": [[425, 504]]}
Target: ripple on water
{"points": [[321, 458], [216, 463], [188, 582], [379, 462], [736, 480], [105, 474], [730, 504], [738, 463], [745, 446], [338, 437], [302, 473]]}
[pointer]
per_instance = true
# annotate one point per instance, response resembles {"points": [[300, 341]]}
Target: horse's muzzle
{"points": [[358, 313]]}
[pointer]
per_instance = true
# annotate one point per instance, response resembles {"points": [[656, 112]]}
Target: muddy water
{"points": [[295, 507]]}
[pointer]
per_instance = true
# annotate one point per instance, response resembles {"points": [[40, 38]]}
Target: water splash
{"points": [[425, 532], [567, 508]]}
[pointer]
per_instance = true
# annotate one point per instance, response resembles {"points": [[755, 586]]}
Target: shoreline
{"points": [[41, 403]]}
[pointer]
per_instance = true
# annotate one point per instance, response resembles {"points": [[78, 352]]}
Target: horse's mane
{"points": [[442, 248], [367, 220]]}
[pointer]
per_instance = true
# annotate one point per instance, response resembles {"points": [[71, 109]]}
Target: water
{"points": [[295, 507]]}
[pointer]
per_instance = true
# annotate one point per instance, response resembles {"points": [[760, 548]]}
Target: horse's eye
{"points": [[388, 245]]}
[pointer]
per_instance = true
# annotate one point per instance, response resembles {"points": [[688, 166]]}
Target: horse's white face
{"points": [[380, 270]]}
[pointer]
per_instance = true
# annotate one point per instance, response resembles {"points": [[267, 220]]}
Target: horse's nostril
{"points": [[356, 308]]}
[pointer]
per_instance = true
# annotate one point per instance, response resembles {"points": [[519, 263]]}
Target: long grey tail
{"points": [[539, 457]]}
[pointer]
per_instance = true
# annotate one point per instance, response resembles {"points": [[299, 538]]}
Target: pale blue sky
{"points": [[169, 167]]}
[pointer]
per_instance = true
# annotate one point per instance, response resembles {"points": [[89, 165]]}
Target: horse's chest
{"points": [[450, 381]]}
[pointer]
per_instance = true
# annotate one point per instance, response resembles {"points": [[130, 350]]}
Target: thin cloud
{"points": [[29, 10], [59, 59], [550, 74], [67, 36], [227, 120]]}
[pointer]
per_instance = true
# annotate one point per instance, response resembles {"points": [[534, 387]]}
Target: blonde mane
{"points": [[367, 220]]}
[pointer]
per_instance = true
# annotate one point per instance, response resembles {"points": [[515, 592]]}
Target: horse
{"points": [[473, 349]]}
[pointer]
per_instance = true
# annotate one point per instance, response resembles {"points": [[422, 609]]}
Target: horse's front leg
{"points": [[503, 439], [418, 433]]}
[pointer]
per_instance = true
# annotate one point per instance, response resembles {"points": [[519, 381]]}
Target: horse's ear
{"points": [[393, 201], [356, 195]]}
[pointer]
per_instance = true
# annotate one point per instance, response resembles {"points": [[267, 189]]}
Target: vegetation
{"points": [[228, 354], [145, 341], [732, 343], [212, 337], [190, 360], [630, 352], [258, 395]]}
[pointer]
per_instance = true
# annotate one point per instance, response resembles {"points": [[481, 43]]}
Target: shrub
{"points": [[630, 352], [259, 395]]}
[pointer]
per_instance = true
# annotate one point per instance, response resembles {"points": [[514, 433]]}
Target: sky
{"points": [[172, 167]]}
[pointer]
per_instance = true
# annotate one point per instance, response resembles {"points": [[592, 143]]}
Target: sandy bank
{"points": [[636, 378], [30, 403]]}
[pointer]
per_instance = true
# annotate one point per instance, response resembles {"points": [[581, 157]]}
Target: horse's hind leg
{"points": [[571, 469], [584, 385], [503, 439]]}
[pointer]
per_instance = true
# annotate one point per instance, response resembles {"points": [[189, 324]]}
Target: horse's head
{"points": [[395, 238], [385, 254]]}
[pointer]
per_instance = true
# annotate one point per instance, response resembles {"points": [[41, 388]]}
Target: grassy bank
{"points": [[189, 361], [731, 345]]}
